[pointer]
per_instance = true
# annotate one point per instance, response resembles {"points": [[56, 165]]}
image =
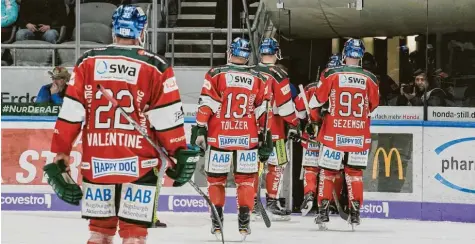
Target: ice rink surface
{"points": [[67, 227]]}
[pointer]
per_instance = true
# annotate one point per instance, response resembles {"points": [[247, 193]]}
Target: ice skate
{"points": [[354, 217], [215, 227], [307, 203], [159, 224], [244, 221], [276, 211], [322, 215]]}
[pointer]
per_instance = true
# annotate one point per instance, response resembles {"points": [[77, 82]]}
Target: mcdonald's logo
{"points": [[387, 162]]}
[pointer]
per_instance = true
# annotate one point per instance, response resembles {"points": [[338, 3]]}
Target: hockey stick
{"points": [[162, 154], [262, 210]]}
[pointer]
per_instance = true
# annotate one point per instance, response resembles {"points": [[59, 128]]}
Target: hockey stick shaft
{"points": [[305, 102], [162, 154]]}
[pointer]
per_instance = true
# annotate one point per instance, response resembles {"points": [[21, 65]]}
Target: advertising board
{"points": [[449, 165], [463, 114]]}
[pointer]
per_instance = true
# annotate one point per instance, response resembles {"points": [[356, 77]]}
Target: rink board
{"points": [[437, 181]]}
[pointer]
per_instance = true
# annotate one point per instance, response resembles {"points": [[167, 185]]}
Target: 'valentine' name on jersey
{"points": [[105, 139]]}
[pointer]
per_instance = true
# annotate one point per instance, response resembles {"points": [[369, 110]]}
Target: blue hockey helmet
{"points": [[354, 48], [270, 46], [240, 47], [128, 21], [334, 61]]}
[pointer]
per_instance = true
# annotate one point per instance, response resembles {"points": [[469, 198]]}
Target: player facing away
{"points": [[231, 111], [310, 149], [345, 136], [283, 114], [119, 167]]}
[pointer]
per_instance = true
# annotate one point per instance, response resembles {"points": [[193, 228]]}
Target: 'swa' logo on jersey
{"points": [[239, 80], [116, 70], [352, 81]]}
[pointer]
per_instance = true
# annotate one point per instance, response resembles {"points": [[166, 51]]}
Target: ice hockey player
{"points": [[231, 111], [345, 132], [311, 150], [119, 167], [283, 114]]}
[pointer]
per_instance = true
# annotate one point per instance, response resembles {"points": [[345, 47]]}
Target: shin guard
{"points": [[310, 180], [272, 180], [325, 185], [245, 190], [216, 190], [354, 181]]}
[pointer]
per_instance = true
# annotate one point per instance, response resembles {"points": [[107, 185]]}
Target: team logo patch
{"points": [[116, 70]]}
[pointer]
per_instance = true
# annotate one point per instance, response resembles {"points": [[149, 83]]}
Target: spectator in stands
{"points": [[388, 88], [412, 94], [54, 92], [9, 17], [41, 19]]}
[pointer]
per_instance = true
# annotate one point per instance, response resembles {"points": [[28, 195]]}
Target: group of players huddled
{"points": [[246, 115]]}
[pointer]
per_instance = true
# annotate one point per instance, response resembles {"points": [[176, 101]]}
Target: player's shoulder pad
{"points": [[278, 73], [217, 70], [153, 59], [371, 76], [253, 71], [330, 71], [87, 54]]}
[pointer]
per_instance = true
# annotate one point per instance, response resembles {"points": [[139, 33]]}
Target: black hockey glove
{"points": [[294, 131], [185, 166], [199, 137], [265, 147], [62, 183], [312, 130]]}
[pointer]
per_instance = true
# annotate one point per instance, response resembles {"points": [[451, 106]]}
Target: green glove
{"points": [[199, 137], [265, 147], [62, 183], [185, 166]]}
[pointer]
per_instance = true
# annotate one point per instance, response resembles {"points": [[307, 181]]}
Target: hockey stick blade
{"points": [[260, 206], [160, 151], [211, 205], [341, 212]]}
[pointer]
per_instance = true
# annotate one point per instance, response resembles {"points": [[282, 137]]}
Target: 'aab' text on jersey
{"points": [[353, 94], [145, 87]]}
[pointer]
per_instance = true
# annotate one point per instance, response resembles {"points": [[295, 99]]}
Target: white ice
{"points": [[62, 228]]}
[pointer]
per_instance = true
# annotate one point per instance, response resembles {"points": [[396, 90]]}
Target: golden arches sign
{"points": [[387, 162]]}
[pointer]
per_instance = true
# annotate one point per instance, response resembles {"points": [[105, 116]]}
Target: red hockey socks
{"points": [[310, 180], [216, 190], [325, 186], [272, 180], [354, 181], [245, 190], [132, 232]]}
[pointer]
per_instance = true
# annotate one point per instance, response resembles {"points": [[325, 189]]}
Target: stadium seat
{"points": [[95, 32], [32, 57], [67, 56], [97, 13]]}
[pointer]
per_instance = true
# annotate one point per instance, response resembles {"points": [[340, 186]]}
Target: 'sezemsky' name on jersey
{"points": [[114, 139], [349, 124], [234, 125]]}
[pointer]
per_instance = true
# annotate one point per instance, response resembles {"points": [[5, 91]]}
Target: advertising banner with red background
{"points": [[26, 151]]}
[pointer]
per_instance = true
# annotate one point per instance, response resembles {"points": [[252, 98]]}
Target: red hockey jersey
{"points": [[231, 103], [282, 103], [145, 87], [353, 94]]}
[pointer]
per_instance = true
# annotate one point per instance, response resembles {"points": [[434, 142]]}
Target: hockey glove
{"points": [[312, 130], [185, 166], [294, 131], [265, 147], [62, 183], [199, 137]]}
